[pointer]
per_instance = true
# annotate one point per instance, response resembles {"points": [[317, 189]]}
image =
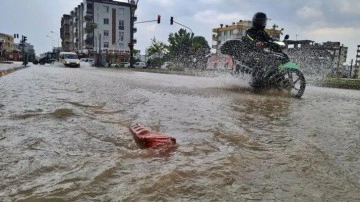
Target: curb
{"points": [[8, 71], [6, 62]]}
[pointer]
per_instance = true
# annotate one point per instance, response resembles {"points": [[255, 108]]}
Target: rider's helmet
{"points": [[259, 20]]}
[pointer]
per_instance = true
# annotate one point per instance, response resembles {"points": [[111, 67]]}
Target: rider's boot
{"points": [[255, 79]]}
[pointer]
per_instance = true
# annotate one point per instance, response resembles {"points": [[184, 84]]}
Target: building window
{"points": [[121, 36], [121, 24], [106, 21], [121, 11], [106, 9], [106, 32], [106, 44], [89, 6], [121, 46]]}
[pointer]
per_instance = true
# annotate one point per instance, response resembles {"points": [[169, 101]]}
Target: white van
{"points": [[69, 59]]}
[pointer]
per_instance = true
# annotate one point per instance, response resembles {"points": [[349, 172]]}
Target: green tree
{"points": [[157, 48], [180, 45], [200, 48]]}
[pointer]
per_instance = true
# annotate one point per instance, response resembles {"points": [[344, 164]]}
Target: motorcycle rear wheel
{"points": [[294, 82]]}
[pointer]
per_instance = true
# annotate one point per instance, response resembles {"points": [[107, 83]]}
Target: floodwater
{"points": [[64, 137]]}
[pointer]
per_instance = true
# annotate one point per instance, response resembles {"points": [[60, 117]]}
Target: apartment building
{"points": [[339, 54], [97, 26], [323, 59], [66, 35], [237, 30], [7, 42]]}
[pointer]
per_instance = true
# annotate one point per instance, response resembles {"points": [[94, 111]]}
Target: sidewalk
{"points": [[8, 67]]}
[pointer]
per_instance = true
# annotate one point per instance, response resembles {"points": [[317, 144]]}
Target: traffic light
{"points": [[158, 19], [171, 20], [25, 38]]}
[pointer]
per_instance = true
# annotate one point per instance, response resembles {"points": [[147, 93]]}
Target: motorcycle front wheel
{"points": [[294, 82]]}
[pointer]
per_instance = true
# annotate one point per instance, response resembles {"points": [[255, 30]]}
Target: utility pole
{"points": [[100, 43], [339, 60], [99, 56], [351, 68]]}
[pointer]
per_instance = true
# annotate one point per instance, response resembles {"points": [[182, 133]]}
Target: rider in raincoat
{"points": [[257, 40]]}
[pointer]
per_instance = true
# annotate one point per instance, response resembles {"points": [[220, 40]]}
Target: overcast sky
{"points": [[317, 20]]}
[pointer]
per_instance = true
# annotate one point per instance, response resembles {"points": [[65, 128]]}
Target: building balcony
{"points": [[89, 12], [88, 47], [215, 30], [89, 27], [88, 38], [89, 43], [88, 18], [215, 37], [66, 30], [237, 36], [66, 38]]}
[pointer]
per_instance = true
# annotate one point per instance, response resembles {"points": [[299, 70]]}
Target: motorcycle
{"points": [[278, 73]]}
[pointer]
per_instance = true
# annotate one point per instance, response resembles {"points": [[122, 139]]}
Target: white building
{"points": [[237, 30], [98, 26]]}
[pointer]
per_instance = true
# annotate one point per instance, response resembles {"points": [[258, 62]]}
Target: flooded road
{"points": [[64, 137]]}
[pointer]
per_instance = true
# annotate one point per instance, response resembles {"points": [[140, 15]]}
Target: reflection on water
{"points": [[67, 139]]}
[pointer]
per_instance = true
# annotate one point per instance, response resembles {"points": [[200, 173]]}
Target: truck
{"points": [[48, 57]]}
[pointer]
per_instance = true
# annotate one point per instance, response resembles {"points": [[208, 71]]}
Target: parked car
{"points": [[87, 60], [124, 64], [121, 64], [166, 65], [140, 65]]}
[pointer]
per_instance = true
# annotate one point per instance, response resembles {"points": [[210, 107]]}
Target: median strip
{"points": [[10, 70]]}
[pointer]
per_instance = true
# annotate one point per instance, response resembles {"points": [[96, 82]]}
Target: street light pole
{"points": [[57, 38], [133, 6], [52, 41], [58, 46]]}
